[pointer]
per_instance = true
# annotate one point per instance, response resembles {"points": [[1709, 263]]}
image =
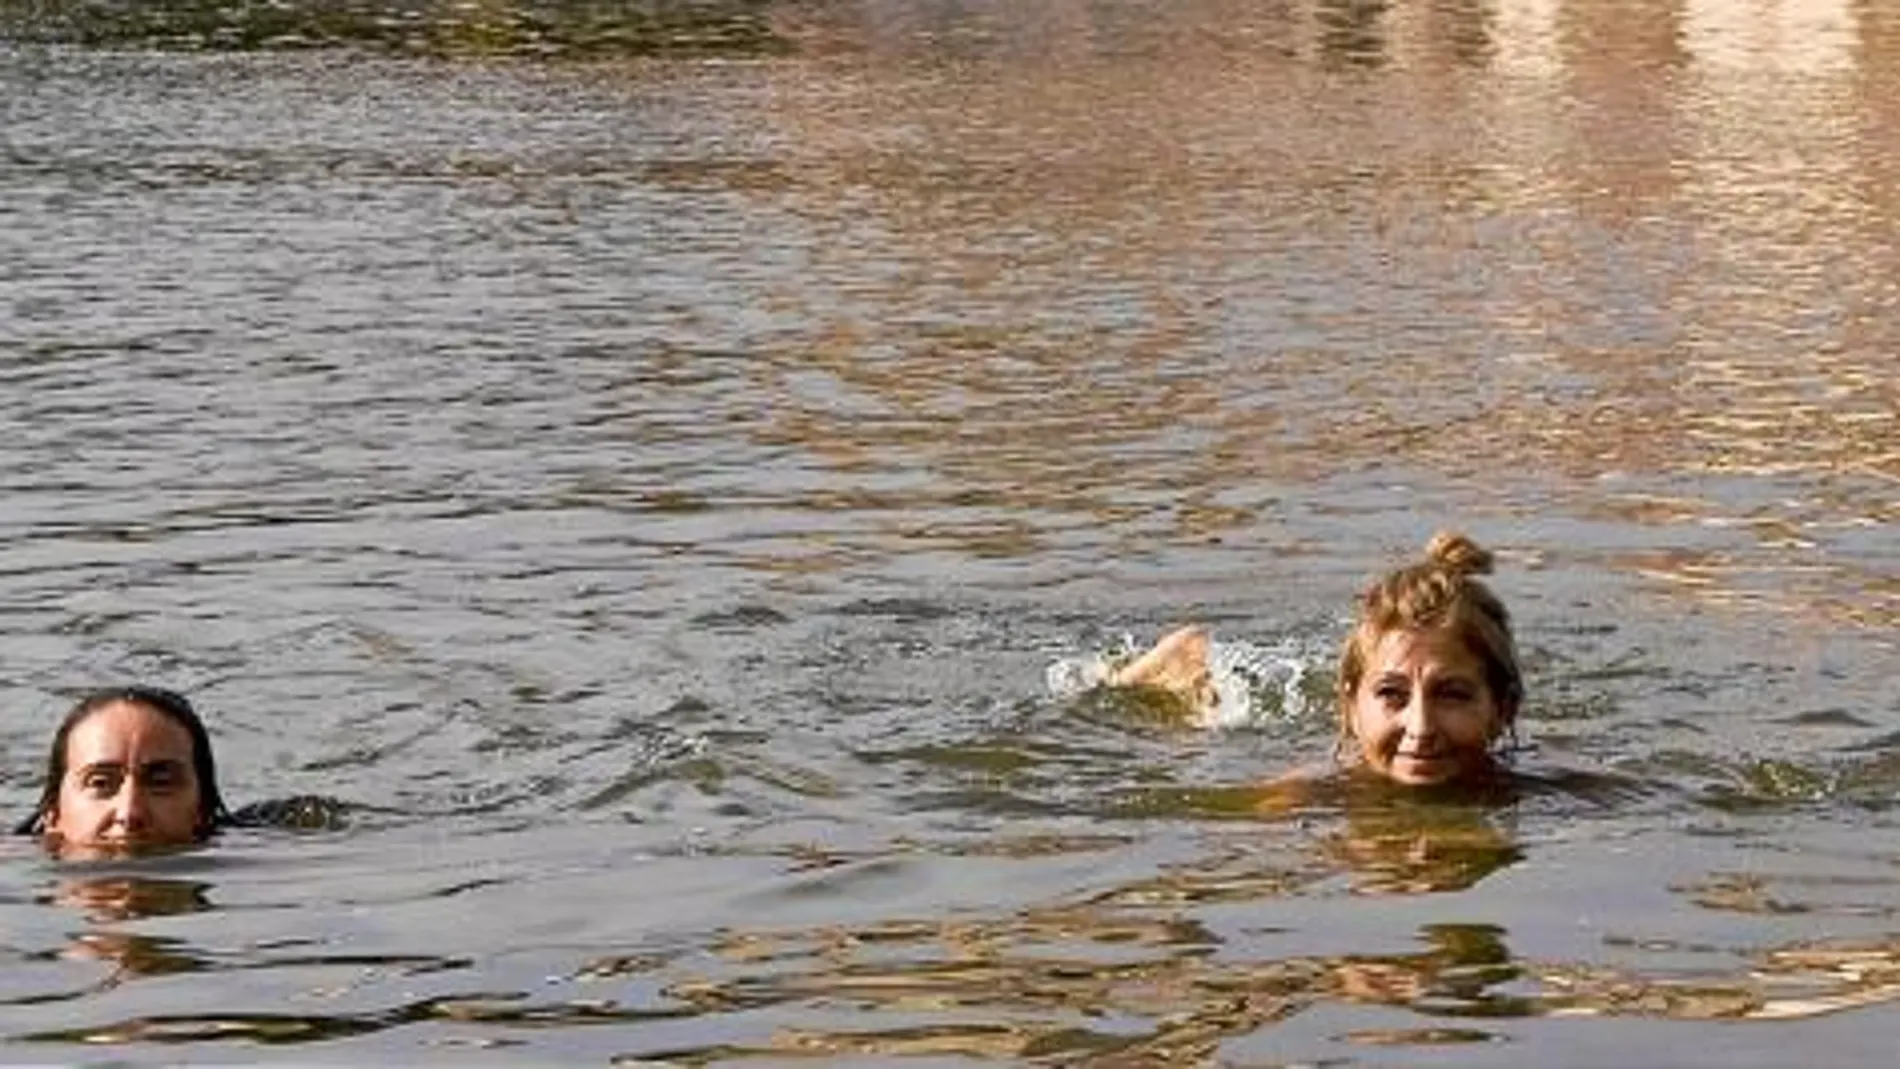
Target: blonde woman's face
{"points": [[1423, 713]]}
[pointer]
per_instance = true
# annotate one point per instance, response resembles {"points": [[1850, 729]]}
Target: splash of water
{"points": [[1256, 684]]}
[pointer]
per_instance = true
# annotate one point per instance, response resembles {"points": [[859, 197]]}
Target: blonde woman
{"points": [[1429, 683]]}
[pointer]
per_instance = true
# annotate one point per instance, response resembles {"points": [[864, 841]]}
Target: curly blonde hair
{"points": [[1440, 591]]}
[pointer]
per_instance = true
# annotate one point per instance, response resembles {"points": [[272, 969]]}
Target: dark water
{"points": [[648, 457]]}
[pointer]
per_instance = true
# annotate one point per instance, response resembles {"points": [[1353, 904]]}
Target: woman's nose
{"points": [[129, 807], [1419, 717]]}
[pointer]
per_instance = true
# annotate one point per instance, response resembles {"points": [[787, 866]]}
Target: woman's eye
{"points": [[102, 783], [1390, 695]]}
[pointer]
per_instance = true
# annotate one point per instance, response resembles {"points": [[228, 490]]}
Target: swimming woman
{"points": [[1429, 684], [131, 768]]}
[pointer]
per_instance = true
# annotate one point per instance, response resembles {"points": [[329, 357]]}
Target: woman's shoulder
{"points": [[309, 812]]}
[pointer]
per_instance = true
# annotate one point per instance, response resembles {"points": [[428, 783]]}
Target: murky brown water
{"points": [[648, 460]]}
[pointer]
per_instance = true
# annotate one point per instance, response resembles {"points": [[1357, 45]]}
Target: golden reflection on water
{"points": [[1396, 853], [1165, 969], [112, 899], [109, 902], [1132, 976], [1145, 275], [1591, 254]]}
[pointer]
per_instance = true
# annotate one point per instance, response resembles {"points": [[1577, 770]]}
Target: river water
{"points": [[650, 462]]}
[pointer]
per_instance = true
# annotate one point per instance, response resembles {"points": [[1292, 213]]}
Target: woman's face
{"points": [[1423, 713], [129, 781]]}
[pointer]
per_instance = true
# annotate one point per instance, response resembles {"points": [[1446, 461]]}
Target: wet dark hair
{"points": [[212, 814]]}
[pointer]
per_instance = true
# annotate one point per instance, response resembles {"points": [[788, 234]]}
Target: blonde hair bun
{"points": [[1458, 555]]}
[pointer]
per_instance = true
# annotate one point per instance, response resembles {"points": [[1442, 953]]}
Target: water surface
{"points": [[649, 461]]}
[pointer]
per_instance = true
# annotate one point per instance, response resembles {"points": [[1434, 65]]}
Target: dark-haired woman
{"points": [[131, 768]]}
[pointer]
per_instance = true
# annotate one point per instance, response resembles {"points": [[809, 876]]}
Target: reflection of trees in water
{"points": [[1342, 33], [424, 27], [1350, 31]]}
